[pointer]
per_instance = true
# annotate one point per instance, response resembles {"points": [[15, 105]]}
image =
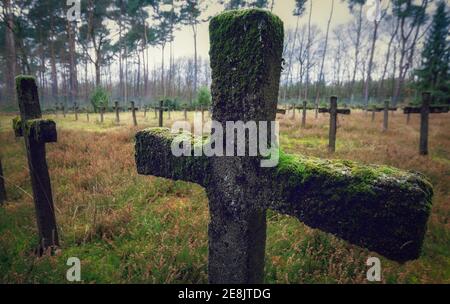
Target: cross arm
{"points": [[41, 130], [376, 207], [153, 154], [344, 111], [433, 110]]}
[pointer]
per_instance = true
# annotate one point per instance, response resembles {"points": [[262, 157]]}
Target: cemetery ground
{"points": [[128, 228]]}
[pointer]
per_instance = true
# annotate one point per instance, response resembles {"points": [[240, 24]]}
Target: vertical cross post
{"points": [[102, 111], [424, 118], [116, 108], [203, 113], [304, 115], [293, 111], [185, 113], [2, 184], [373, 115], [75, 111], [333, 124], [145, 111], [408, 118], [37, 132], [386, 116], [87, 115], [161, 113], [63, 110], [133, 113]]}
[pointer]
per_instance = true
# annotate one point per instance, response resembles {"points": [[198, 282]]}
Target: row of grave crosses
{"points": [[387, 214]]}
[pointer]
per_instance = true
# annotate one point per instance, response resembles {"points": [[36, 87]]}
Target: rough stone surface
{"points": [[36, 133]]}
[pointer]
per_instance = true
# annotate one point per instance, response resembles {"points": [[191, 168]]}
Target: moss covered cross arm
{"points": [[376, 207], [154, 157]]}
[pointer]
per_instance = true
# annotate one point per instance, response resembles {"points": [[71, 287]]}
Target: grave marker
{"points": [[37, 132], [102, 112], [382, 209], [333, 111], [75, 111], [117, 109], [161, 110], [425, 111], [133, 109]]}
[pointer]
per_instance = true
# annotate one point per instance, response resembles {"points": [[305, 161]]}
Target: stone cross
{"points": [[75, 111], [376, 207], [161, 110], [102, 112], [2, 184], [334, 111], [133, 109], [185, 112], [37, 132], [145, 111], [117, 109], [304, 108], [425, 111]]}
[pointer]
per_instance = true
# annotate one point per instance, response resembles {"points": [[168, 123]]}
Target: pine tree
{"points": [[434, 74]]}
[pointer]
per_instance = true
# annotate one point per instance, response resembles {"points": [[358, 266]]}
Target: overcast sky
{"points": [[183, 44]]}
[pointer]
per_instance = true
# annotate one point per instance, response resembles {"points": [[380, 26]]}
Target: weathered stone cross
{"points": [[102, 112], [334, 111], [304, 108], [133, 109], [425, 111], [376, 207], [37, 132], [75, 110], [161, 110], [117, 109]]}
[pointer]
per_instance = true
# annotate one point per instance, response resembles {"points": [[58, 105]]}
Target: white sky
{"points": [[183, 44]]}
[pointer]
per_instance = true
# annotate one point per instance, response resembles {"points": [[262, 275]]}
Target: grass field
{"points": [[127, 228]]}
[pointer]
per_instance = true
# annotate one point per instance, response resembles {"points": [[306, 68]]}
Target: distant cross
{"points": [[145, 111], [2, 184], [102, 112], [304, 108], [202, 109], [117, 109], [379, 208], [185, 112], [293, 111], [161, 110], [75, 110], [334, 111], [386, 110], [37, 132], [133, 109], [425, 111], [63, 110]]}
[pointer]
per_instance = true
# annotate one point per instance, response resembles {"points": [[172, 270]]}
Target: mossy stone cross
{"points": [[376, 207], [37, 132]]}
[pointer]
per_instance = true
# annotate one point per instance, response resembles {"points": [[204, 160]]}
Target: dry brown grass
{"points": [[131, 228]]}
